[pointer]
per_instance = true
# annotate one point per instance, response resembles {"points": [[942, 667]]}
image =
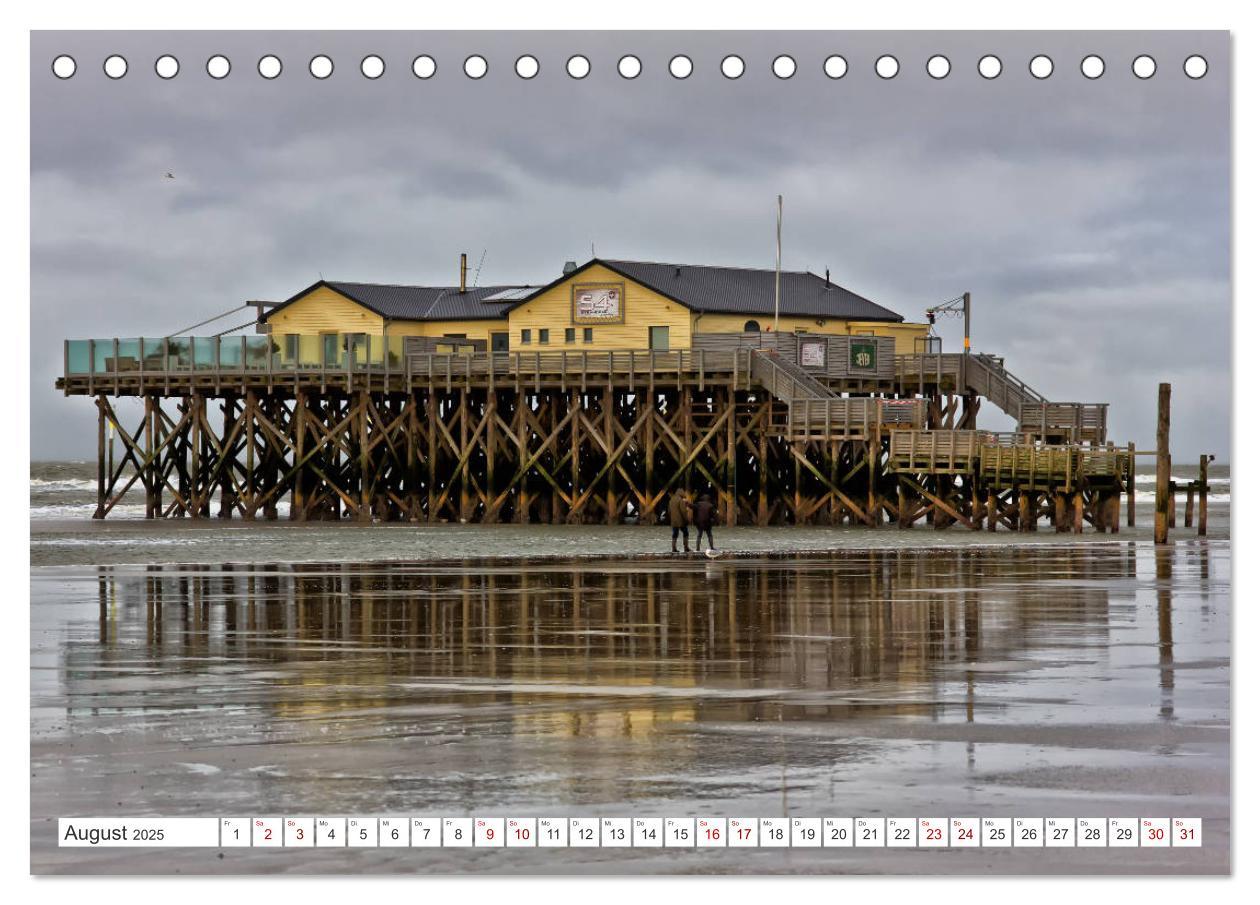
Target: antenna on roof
{"points": [[477, 275], [592, 248]]}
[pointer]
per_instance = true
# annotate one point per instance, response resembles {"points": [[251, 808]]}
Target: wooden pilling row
{"points": [[601, 455]]}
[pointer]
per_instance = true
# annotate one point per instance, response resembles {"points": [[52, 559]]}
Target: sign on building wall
{"points": [[599, 303], [813, 353], [862, 356]]}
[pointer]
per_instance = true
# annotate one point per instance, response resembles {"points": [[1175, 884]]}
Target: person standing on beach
{"points": [[679, 510], [704, 514]]}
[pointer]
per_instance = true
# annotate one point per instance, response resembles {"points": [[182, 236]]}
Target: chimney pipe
{"points": [[828, 277], [463, 272]]}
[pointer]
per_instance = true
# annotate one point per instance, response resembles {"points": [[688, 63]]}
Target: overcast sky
{"points": [[1089, 219]]}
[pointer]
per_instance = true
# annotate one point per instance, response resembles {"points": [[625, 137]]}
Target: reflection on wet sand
{"points": [[973, 680], [879, 627]]}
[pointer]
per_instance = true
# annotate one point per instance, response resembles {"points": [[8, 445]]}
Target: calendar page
{"points": [[578, 452]]}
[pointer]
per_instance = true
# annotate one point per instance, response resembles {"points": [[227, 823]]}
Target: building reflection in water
{"points": [[600, 647]]}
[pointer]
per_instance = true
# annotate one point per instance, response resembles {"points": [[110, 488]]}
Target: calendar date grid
{"points": [[632, 832]]}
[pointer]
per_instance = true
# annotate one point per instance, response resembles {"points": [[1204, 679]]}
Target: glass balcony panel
{"points": [[332, 350], [153, 352], [257, 349], [128, 356], [395, 350], [204, 350], [179, 353], [310, 351], [230, 352], [77, 356], [102, 355]]}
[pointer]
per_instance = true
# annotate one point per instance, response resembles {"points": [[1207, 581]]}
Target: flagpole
{"points": [[778, 261]]}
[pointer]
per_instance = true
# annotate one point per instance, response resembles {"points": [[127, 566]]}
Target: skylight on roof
{"points": [[509, 295]]}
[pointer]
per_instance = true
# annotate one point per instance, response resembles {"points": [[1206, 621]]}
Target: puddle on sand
{"points": [[1022, 680]]}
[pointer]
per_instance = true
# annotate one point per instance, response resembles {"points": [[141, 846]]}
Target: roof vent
{"points": [[677, 271], [570, 266]]}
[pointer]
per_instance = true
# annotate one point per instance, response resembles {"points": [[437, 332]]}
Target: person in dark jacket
{"points": [[679, 512], [704, 514]]}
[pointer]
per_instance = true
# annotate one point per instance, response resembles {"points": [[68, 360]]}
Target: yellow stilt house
{"points": [[602, 305]]}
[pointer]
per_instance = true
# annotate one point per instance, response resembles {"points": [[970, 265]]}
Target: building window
{"points": [[544, 336], [525, 337], [292, 346], [752, 327], [570, 335], [588, 334]]}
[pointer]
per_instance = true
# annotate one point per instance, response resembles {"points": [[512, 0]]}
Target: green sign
{"points": [[862, 356]]}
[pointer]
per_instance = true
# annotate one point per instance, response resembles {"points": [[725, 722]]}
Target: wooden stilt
{"points": [[152, 504], [101, 471], [1203, 495], [1163, 465], [432, 413], [1130, 488]]}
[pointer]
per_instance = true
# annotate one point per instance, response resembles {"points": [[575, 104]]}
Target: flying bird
{"points": [[170, 175]]}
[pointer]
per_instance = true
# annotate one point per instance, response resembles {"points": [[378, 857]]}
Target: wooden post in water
{"points": [[1203, 490], [1163, 465], [1130, 488], [1189, 508]]}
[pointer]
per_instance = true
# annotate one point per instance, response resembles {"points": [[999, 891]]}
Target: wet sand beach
{"points": [[1031, 676]]}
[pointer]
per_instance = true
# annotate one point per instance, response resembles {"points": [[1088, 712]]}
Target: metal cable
{"points": [[212, 320]]}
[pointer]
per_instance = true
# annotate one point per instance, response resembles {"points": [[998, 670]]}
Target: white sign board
{"points": [[597, 304], [813, 353]]}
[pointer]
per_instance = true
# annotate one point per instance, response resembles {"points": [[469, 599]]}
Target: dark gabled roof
{"points": [[741, 290], [419, 303]]}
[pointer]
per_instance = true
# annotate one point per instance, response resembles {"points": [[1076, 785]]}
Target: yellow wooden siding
{"points": [[903, 334], [324, 310], [478, 329], [734, 323], [553, 311]]}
